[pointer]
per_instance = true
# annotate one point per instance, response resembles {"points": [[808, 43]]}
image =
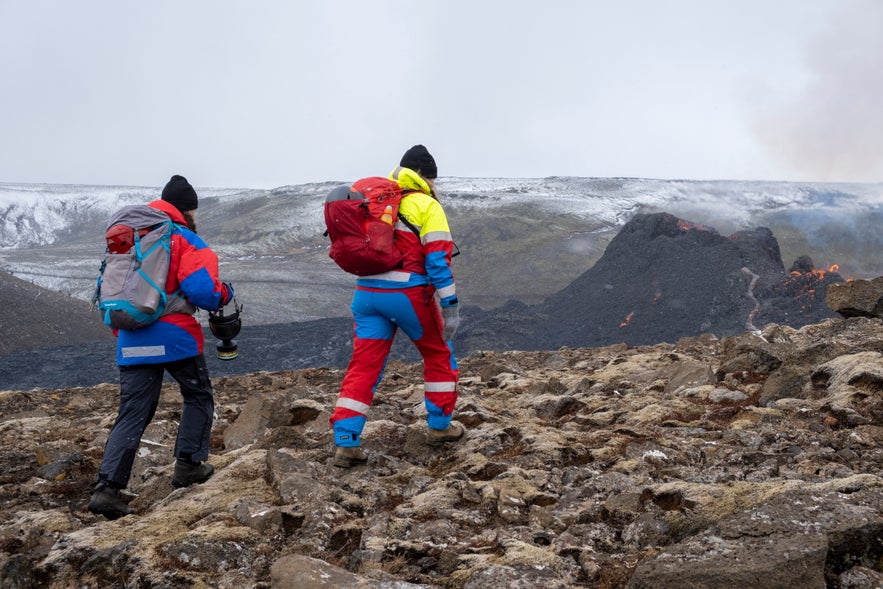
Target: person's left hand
{"points": [[451, 318]]}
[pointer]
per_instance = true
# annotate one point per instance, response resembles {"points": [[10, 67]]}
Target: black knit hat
{"points": [[420, 160], [179, 193]]}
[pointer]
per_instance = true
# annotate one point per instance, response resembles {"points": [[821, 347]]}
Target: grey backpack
{"points": [[130, 291]]}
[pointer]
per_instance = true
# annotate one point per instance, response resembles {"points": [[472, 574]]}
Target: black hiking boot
{"points": [[106, 501], [188, 473]]}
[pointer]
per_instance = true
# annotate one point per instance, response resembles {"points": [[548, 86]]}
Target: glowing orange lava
{"points": [[628, 318], [687, 225]]}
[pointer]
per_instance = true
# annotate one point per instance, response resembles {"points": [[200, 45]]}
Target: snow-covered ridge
{"points": [[38, 214]]}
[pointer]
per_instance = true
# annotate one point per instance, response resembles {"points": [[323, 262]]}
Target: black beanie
{"points": [[179, 193], [420, 160]]}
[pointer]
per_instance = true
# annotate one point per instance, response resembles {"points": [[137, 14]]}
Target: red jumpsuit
{"points": [[408, 298]]}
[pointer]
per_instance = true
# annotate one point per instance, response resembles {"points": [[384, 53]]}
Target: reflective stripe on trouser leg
{"points": [[372, 340], [440, 399]]}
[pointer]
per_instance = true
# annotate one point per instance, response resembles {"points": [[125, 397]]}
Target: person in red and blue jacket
{"points": [[420, 298], [173, 344]]}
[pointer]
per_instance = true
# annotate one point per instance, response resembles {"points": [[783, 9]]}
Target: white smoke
{"points": [[833, 129]]}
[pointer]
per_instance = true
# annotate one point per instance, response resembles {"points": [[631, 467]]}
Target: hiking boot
{"points": [[346, 457], [188, 473], [106, 501], [437, 437]]}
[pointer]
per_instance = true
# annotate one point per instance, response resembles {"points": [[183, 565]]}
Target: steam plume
{"points": [[833, 129]]}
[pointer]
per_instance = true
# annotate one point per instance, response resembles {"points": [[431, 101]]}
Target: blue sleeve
{"points": [[437, 268], [199, 288], [198, 272]]}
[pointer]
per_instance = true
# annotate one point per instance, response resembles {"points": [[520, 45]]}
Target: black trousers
{"points": [[140, 388]]}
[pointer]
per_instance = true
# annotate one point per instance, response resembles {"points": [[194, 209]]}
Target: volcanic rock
{"points": [[666, 466], [856, 298], [660, 279]]}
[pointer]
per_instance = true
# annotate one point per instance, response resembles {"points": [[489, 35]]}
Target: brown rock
{"points": [[856, 298], [260, 412]]}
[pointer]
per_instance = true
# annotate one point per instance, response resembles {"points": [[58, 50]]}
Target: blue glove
{"points": [[451, 319], [226, 289]]}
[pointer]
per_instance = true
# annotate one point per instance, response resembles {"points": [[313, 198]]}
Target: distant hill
{"points": [[40, 318], [521, 239], [659, 280], [530, 274]]}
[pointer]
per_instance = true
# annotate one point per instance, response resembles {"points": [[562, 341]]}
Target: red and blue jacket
{"points": [[193, 274], [427, 257]]}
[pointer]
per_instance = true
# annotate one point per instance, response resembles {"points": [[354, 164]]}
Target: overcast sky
{"points": [[268, 93]]}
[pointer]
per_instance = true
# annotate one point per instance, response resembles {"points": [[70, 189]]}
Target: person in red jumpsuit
{"points": [[420, 298]]}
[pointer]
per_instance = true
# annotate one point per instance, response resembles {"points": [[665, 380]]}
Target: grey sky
{"points": [[267, 93]]}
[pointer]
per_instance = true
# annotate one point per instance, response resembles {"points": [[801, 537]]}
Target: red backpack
{"points": [[360, 220]]}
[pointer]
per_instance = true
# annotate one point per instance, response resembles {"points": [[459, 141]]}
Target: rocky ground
{"points": [[752, 460]]}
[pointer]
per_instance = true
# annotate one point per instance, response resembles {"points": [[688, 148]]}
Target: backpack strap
{"points": [[404, 220], [410, 225], [416, 231]]}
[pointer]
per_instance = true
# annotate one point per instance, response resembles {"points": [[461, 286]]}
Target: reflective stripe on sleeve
{"points": [[437, 236], [447, 291]]}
